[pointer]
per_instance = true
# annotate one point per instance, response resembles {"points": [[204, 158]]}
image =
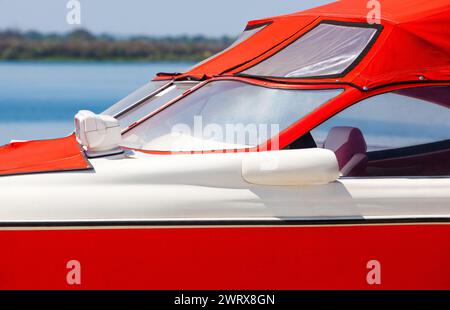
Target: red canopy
{"points": [[413, 43]]}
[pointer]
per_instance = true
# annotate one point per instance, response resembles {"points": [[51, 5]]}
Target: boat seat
{"points": [[350, 147]]}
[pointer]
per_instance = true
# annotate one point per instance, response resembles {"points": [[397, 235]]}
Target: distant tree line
{"points": [[83, 45]]}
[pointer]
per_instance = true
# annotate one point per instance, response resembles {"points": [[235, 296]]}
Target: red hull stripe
{"points": [[321, 257]]}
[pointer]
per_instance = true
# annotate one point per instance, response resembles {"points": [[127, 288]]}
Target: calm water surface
{"points": [[39, 99]]}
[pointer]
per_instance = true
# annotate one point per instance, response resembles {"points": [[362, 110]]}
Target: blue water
{"points": [[39, 99]]}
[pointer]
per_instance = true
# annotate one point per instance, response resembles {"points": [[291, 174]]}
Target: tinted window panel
{"points": [[403, 133], [393, 120]]}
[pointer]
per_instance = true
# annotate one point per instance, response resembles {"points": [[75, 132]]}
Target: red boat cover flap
{"points": [[63, 154]]}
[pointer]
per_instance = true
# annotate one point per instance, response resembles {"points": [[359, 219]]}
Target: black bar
{"points": [[222, 298]]}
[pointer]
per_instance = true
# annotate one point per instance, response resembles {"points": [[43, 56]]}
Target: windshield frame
{"points": [[256, 82]]}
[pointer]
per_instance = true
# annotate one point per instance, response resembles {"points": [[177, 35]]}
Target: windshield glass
{"points": [[153, 102], [135, 97], [225, 115]]}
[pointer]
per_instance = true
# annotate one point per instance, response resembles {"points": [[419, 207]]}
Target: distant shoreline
{"points": [[81, 45]]}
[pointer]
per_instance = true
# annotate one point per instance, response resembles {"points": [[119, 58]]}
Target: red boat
{"points": [[314, 153]]}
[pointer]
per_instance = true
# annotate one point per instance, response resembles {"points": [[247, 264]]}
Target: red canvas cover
{"points": [[413, 45], [273, 35], [63, 154]]}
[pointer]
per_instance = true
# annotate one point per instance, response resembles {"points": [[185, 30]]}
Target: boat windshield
{"points": [[225, 114], [152, 102], [135, 97]]}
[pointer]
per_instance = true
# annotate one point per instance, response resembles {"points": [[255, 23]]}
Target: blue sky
{"points": [[150, 17]]}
